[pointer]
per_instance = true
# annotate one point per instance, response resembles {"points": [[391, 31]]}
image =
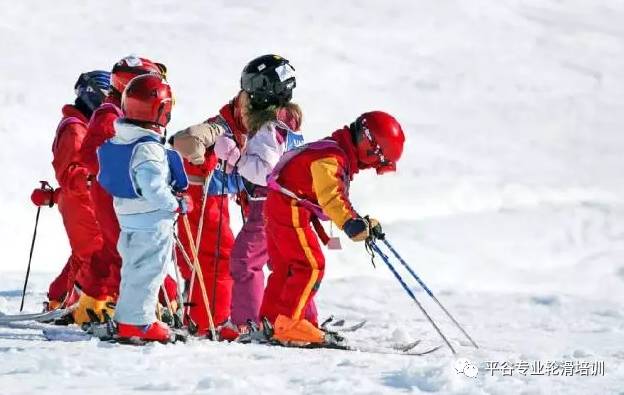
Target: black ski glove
{"points": [[363, 228]]}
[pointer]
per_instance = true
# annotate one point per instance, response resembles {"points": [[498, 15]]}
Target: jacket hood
{"points": [[345, 141], [70, 110], [126, 133], [232, 117]]}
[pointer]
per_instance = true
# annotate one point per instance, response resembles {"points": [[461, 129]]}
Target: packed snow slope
{"points": [[508, 200]]}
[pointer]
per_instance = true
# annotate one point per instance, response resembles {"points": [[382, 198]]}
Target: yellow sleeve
{"points": [[331, 193]]}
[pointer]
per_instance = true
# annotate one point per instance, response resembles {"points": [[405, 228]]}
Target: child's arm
{"points": [[193, 141], [262, 153]]}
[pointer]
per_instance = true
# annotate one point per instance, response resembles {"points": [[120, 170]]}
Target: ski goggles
{"points": [[381, 165]]}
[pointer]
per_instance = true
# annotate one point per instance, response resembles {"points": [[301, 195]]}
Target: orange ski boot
{"points": [[297, 332]]}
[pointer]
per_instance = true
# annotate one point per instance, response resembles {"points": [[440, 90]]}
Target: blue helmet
{"points": [[92, 87]]}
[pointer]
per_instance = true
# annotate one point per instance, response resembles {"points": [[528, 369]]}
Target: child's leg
{"points": [[145, 256], [272, 298], [249, 256], [61, 285], [306, 269]]}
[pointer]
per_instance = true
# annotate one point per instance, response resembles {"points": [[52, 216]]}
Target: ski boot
{"points": [[227, 331], [171, 318], [253, 333], [89, 308], [302, 333], [69, 301], [140, 334], [51, 305], [104, 330]]}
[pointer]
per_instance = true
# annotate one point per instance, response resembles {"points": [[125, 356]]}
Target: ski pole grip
{"points": [[46, 186], [376, 231]]}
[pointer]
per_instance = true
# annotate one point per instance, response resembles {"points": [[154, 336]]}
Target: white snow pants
{"points": [[145, 257]]}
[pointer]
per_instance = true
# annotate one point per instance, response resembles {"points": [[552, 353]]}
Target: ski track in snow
{"points": [[508, 200]]}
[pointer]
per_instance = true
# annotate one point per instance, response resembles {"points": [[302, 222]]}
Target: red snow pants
{"points": [[106, 217], [87, 264], [219, 291], [296, 258], [62, 284]]}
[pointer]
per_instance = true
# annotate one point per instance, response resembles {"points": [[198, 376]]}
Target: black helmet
{"points": [[269, 80]]}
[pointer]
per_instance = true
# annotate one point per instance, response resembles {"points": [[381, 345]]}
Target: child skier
{"points": [[207, 179], [142, 176], [86, 265], [273, 121], [312, 183], [209, 188], [100, 129]]}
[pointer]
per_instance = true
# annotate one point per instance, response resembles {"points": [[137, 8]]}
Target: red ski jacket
{"points": [[76, 207], [66, 146], [322, 177], [74, 201], [100, 129]]}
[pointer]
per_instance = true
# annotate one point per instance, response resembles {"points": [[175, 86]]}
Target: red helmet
{"points": [[379, 140], [131, 66], [148, 98]]}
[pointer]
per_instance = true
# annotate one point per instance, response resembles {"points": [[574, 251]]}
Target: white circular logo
{"points": [[463, 365]]}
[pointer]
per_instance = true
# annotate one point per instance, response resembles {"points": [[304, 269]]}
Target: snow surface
{"points": [[508, 200]]}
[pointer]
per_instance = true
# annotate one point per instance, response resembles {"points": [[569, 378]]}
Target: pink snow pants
{"points": [[249, 255]]}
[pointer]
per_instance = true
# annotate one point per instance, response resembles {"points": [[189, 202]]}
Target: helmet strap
{"points": [[161, 108]]}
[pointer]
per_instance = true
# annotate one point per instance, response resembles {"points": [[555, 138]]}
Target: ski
{"points": [[65, 334], [394, 350], [38, 317], [403, 349], [407, 346], [75, 334], [333, 341], [104, 333], [386, 351], [339, 325]]}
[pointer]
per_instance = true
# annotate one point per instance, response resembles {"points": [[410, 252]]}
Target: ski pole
{"points": [[218, 250], [176, 270], [422, 284], [240, 196], [32, 247], [187, 306], [200, 226], [46, 186], [187, 259], [410, 293], [167, 300], [200, 276]]}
